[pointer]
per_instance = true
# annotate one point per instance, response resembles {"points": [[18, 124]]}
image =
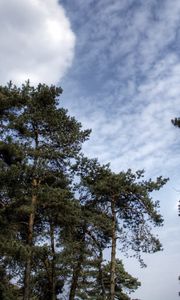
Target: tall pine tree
{"points": [[125, 198], [38, 141]]}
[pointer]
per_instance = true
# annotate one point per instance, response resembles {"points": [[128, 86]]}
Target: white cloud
{"points": [[128, 54], [137, 132], [131, 50], [37, 42]]}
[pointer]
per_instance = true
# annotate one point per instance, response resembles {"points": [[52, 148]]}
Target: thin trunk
{"points": [[53, 281], [26, 292], [101, 274], [77, 271], [75, 278], [100, 277], [113, 251], [27, 275]]}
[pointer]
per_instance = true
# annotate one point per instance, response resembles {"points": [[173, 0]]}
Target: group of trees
{"points": [[60, 210]]}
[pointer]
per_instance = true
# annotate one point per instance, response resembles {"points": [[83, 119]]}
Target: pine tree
{"points": [[125, 283], [60, 210], [91, 235], [125, 197], [38, 142], [84, 241]]}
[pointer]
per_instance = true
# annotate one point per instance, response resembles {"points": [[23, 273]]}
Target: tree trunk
{"points": [[27, 274], [75, 278], [77, 270], [101, 274], [53, 281], [26, 292], [113, 251], [100, 271]]}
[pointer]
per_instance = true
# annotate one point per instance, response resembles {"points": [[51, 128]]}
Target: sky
{"points": [[118, 63]]}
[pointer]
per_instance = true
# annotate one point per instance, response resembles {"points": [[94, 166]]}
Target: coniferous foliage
{"points": [[125, 198], [125, 283], [59, 210], [38, 142]]}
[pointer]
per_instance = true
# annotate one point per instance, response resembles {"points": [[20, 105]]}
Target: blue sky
{"points": [[119, 65]]}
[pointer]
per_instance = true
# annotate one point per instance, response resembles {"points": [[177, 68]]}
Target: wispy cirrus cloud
{"points": [[124, 84], [138, 134], [127, 82]]}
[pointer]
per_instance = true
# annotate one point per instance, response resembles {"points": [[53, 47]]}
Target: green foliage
{"points": [[38, 141], [90, 283], [135, 210], [57, 207], [125, 283]]}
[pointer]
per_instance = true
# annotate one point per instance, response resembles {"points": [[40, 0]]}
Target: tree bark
{"points": [[76, 271], [75, 278], [27, 274], [101, 274], [113, 251], [100, 277]]}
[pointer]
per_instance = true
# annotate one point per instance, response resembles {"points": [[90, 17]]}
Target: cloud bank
{"points": [[127, 83], [37, 42], [124, 85]]}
